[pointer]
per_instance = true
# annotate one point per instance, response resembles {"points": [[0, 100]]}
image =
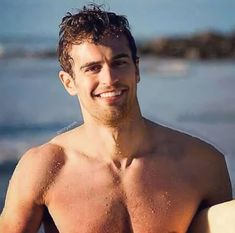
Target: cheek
{"points": [[86, 88], [127, 76]]}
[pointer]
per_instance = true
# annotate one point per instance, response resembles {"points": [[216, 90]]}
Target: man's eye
{"points": [[119, 63], [93, 69]]}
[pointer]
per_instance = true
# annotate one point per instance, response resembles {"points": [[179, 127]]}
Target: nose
{"points": [[108, 76]]}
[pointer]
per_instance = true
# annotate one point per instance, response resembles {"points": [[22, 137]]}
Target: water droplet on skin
{"points": [[58, 164], [116, 180]]}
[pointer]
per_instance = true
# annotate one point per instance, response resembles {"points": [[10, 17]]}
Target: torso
{"points": [[158, 192]]}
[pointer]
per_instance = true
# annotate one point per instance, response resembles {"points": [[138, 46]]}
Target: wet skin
{"points": [[159, 191]]}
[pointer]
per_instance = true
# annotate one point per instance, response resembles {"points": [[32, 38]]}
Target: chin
{"points": [[114, 117]]}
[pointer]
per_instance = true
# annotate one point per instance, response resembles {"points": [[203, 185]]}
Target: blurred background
{"points": [[187, 68]]}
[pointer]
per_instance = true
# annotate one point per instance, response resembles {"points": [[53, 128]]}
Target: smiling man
{"points": [[118, 172]]}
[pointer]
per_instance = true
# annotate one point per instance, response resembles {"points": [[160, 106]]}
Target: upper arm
{"points": [[216, 186], [22, 212], [20, 216], [214, 176], [24, 204], [221, 189]]}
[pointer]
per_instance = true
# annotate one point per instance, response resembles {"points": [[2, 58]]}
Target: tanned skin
{"points": [[118, 172]]}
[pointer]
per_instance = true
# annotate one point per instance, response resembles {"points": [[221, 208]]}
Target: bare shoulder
{"points": [[210, 166], [191, 147], [199, 159], [37, 169], [25, 200]]}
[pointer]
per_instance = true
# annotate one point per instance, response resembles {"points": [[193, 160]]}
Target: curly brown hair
{"points": [[92, 22]]}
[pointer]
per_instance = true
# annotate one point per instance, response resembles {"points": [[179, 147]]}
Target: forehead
{"points": [[107, 47]]}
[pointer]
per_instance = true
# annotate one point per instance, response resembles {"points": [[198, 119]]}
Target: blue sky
{"points": [[148, 18]]}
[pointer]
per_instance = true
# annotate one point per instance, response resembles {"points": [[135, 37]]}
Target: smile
{"points": [[110, 94]]}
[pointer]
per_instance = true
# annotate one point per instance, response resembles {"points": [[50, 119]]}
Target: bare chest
{"points": [[144, 199]]}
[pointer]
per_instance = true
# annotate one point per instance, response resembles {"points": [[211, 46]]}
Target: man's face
{"points": [[105, 79]]}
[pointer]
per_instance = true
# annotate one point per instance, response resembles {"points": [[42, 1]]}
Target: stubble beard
{"points": [[112, 117]]}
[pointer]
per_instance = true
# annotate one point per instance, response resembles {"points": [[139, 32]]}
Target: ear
{"points": [[137, 69], [68, 82]]}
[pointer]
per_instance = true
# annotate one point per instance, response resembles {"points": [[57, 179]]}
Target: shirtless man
{"points": [[118, 172]]}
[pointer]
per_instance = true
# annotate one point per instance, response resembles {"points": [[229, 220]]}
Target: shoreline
{"points": [[205, 45]]}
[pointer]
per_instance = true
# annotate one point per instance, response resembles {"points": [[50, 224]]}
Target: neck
{"points": [[115, 143]]}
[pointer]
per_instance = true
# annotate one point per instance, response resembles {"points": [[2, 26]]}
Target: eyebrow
{"points": [[121, 55], [88, 64], [118, 56]]}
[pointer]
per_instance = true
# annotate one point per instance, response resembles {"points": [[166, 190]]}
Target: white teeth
{"points": [[110, 94]]}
